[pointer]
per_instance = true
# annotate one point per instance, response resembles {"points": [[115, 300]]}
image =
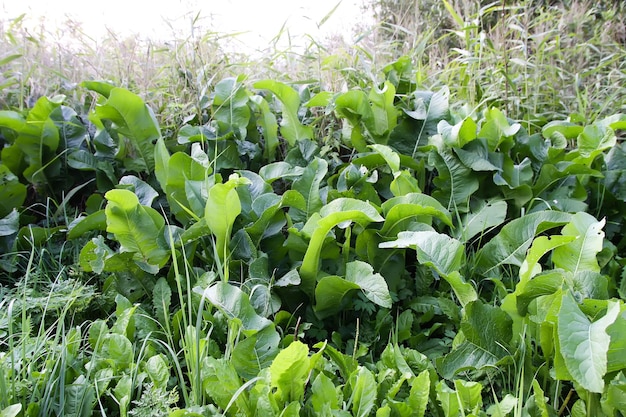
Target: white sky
{"points": [[261, 19]]}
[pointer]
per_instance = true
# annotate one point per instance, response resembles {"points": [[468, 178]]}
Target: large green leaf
{"points": [[161, 300], [36, 143], [584, 344], [614, 397], [455, 182], [80, 398], [12, 192], [594, 139], [391, 158], [510, 245], [384, 114], [540, 246], [569, 130], [134, 120], [363, 396], [444, 254], [515, 180], [372, 284], [617, 347], [480, 219], [580, 255], [553, 173], [615, 172], [256, 352], [230, 106], [290, 126], [269, 125], [138, 229], [186, 186], [11, 411], [289, 372], [418, 396], [464, 399], [222, 208], [235, 304], [221, 382], [459, 135], [331, 290], [487, 332], [398, 210], [496, 128], [324, 396], [340, 211], [439, 251], [429, 109], [354, 107], [308, 184]]}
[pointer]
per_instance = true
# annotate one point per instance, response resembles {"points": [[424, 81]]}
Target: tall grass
{"points": [[535, 60]]}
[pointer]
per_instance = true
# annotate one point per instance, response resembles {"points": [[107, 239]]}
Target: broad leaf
{"points": [[221, 383], [12, 192], [463, 399], [418, 396], [186, 186], [230, 106], [331, 291], [138, 229], [36, 143], [496, 128], [580, 255], [290, 126], [256, 352], [486, 215], [289, 372], [455, 182], [487, 332], [441, 252], [83, 225], [269, 125], [161, 300], [158, 371], [235, 304], [144, 192], [323, 395], [222, 208], [398, 210], [372, 284], [510, 245], [540, 246], [340, 211], [383, 117], [134, 120], [615, 172], [363, 392], [308, 184], [584, 345]]}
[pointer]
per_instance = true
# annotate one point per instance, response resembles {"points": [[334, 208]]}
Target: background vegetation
{"points": [[424, 220]]}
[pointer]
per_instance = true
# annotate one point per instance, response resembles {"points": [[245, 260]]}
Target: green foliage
{"points": [[424, 259]]}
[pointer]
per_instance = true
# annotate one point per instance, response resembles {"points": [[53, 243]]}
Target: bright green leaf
{"points": [[580, 255], [584, 345], [290, 127], [138, 229], [289, 371]]}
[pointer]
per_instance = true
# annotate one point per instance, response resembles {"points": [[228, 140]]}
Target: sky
{"points": [[261, 20]]}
